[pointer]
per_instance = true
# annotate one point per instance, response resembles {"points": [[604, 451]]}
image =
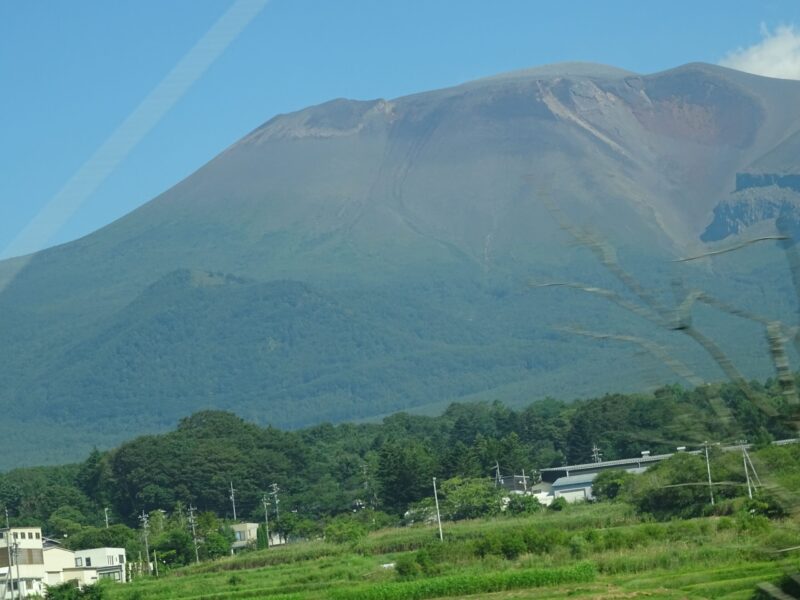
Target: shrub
{"points": [[613, 539], [725, 523], [534, 540], [70, 591], [608, 484], [426, 561], [375, 519], [487, 545], [64, 591], [746, 522], [512, 545], [407, 567], [520, 504], [469, 499], [765, 504], [558, 504], [344, 529], [578, 546]]}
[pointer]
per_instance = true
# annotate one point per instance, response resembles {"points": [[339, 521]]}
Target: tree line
{"points": [[377, 469]]}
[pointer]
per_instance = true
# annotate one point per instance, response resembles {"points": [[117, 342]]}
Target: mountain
{"points": [[361, 257]]}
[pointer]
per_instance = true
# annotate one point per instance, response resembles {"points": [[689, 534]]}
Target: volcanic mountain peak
{"points": [[415, 222], [570, 70]]}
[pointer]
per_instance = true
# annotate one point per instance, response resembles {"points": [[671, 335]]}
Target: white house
{"points": [[245, 535], [59, 565], [22, 562], [108, 562], [57, 560]]}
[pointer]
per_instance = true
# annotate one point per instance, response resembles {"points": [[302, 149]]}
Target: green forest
{"points": [[376, 471]]}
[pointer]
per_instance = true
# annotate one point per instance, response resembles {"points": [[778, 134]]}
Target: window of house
{"points": [[16, 535], [78, 561], [121, 559], [2, 535], [38, 535], [30, 535], [110, 560], [88, 562]]}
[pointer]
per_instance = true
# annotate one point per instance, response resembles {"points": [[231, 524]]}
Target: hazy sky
{"points": [[73, 72]]}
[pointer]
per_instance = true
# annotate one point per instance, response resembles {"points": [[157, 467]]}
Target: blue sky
{"points": [[71, 72]]}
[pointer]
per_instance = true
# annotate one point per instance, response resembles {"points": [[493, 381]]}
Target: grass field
{"points": [[589, 551]]}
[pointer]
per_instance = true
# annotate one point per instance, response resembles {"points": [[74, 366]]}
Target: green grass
{"points": [[591, 551]]}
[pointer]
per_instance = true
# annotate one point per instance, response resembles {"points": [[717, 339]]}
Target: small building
{"points": [[24, 574], [57, 561], [110, 563], [543, 492], [245, 535], [575, 488], [637, 464]]}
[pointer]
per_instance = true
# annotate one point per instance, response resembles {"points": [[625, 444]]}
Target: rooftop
{"points": [[584, 479], [612, 463]]}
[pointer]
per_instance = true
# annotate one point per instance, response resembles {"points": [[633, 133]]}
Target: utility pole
{"points": [[192, 522], [597, 456], [524, 482], [105, 513], [233, 500], [144, 518], [12, 558], [274, 494], [438, 515], [16, 562], [756, 478], [265, 502], [747, 474], [708, 468], [9, 578], [367, 495], [498, 479]]}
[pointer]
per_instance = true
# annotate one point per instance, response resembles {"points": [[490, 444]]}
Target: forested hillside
{"points": [[326, 470]]}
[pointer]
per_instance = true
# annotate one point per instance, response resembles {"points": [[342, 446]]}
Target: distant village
{"points": [[31, 562]]}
